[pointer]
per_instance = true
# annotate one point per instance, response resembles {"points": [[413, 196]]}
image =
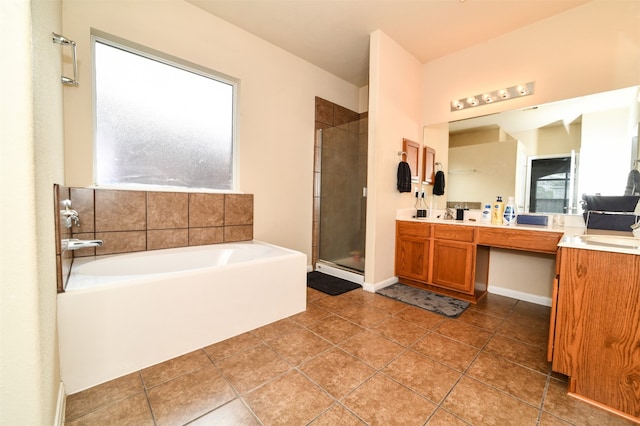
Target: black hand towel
{"points": [[404, 177], [438, 183]]}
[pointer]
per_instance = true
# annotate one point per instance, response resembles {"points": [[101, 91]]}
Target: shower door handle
{"points": [[364, 192]]}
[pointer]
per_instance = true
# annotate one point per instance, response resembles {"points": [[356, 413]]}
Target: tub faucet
{"points": [[71, 216], [75, 244]]}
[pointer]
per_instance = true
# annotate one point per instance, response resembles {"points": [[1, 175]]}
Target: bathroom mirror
{"points": [[548, 155]]}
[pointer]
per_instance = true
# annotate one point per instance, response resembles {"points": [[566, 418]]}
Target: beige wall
{"points": [[31, 161], [276, 103], [394, 113], [588, 49]]}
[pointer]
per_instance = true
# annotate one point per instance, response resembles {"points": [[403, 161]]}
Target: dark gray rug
{"points": [[329, 284], [443, 305]]}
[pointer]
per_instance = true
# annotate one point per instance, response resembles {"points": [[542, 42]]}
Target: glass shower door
{"points": [[343, 195]]}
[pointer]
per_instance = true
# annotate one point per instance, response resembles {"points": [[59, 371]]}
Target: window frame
{"points": [[152, 54]]}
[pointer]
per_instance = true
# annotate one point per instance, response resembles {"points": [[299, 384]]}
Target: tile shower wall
{"points": [[130, 221]]}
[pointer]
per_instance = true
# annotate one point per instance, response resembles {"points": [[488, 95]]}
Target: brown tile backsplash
{"points": [[130, 221], [167, 210], [120, 210], [238, 209]]}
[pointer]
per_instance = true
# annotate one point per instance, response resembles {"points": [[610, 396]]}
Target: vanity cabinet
{"points": [[595, 327], [453, 258], [440, 258], [412, 250]]}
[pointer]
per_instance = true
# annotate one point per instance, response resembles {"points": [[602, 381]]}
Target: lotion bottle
{"points": [[510, 212], [497, 211]]}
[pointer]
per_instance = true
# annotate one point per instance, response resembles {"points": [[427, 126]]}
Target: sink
{"points": [[612, 241]]}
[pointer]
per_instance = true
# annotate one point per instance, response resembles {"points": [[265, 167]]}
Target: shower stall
{"points": [[340, 190]]}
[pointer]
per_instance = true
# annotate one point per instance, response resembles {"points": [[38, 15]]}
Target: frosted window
{"points": [[159, 124]]}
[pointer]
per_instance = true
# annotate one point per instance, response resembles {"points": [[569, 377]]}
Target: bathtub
{"points": [[122, 313]]}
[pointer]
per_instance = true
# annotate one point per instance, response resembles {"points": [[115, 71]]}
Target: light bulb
{"points": [[472, 101], [522, 90], [457, 104], [504, 94], [487, 98]]}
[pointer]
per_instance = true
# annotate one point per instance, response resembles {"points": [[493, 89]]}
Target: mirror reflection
{"points": [[548, 155]]}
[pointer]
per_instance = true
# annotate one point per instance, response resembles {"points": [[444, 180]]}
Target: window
{"points": [[159, 122], [552, 184]]}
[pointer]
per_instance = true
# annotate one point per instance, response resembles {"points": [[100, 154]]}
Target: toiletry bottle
{"points": [[497, 211], [510, 212], [486, 213]]}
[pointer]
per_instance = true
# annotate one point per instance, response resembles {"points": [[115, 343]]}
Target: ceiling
{"points": [[334, 34]]}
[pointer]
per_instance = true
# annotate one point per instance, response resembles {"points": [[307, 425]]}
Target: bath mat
{"points": [[443, 305], [329, 284]]}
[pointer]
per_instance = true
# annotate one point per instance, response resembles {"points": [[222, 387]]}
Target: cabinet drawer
{"points": [[454, 233], [413, 228], [540, 241]]}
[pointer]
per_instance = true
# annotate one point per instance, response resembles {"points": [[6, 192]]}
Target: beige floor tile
{"points": [[133, 410], [480, 320], [517, 381], [333, 304], [364, 315], [447, 351], [98, 396], [337, 372], [189, 397], [444, 418], [289, 400], [423, 375], [536, 336], [358, 296], [400, 331], [547, 419], [336, 329], [252, 368], [464, 333], [387, 305], [567, 408], [312, 315], [232, 413], [480, 404], [173, 368], [276, 329], [372, 348], [313, 294], [299, 346], [382, 401], [337, 415], [534, 357], [420, 317], [232, 346], [496, 305]]}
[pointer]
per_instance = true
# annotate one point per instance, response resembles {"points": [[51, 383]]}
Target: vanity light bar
{"points": [[493, 96]]}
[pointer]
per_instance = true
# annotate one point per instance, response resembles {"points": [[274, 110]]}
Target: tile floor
{"points": [[355, 359]]}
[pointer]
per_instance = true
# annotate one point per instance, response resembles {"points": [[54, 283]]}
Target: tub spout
{"points": [[75, 244]]}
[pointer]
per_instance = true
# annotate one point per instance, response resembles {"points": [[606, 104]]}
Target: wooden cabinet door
{"points": [[597, 336], [412, 257], [453, 265]]}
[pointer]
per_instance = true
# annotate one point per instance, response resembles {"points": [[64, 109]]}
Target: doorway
{"points": [[340, 176]]}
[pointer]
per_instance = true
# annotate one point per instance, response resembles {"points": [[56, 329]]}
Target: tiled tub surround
{"points": [[130, 221]]}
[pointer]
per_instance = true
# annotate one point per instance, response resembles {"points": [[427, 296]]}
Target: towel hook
{"points": [[57, 38], [401, 153]]}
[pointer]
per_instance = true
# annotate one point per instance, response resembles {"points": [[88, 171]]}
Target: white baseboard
{"points": [[527, 297], [60, 406], [372, 288]]}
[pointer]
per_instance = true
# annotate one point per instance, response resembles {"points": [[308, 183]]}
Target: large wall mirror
{"points": [[548, 155]]}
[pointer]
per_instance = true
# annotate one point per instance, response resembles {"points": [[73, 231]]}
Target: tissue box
{"points": [[528, 219]]}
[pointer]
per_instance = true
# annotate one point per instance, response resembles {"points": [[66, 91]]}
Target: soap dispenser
{"points": [[497, 211], [510, 212]]}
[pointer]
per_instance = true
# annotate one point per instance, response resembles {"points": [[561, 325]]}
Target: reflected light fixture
{"points": [[499, 95]]}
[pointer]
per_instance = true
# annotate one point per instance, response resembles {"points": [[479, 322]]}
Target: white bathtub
{"points": [[125, 312]]}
